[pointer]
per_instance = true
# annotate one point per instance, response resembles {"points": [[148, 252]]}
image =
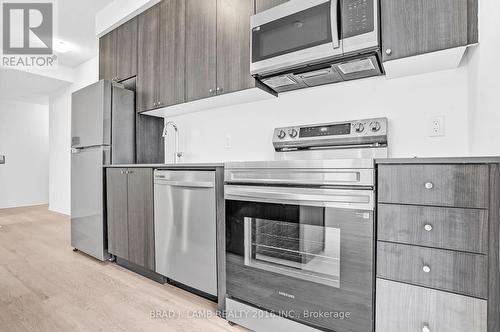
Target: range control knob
{"points": [[281, 134], [293, 133], [375, 126], [359, 127]]}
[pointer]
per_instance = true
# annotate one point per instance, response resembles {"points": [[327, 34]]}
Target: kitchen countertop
{"points": [[450, 160], [170, 166], [384, 161]]}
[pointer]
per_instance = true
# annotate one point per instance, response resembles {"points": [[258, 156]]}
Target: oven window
{"points": [[306, 29], [286, 239]]}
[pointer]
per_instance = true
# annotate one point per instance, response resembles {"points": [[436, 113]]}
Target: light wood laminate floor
{"points": [[45, 286]]}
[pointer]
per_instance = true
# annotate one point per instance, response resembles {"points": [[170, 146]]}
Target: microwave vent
{"points": [[356, 66], [279, 81]]}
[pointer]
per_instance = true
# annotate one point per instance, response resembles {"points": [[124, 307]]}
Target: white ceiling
{"points": [[27, 87], [75, 24]]}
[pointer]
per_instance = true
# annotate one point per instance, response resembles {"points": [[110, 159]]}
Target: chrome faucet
{"points": [[177, 154]]}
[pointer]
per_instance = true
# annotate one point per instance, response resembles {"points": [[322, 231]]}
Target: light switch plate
{"points": [[2, 159]]}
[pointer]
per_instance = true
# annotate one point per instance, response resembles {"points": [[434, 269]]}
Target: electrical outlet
{"points": [[228, 144], [436, 127]]}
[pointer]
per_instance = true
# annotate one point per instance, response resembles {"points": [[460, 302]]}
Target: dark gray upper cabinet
{"points": [[188, 50], [261, 5], [140, 217], [233, 45], [201, 53], [172, 52], [118, 52], [126, 50], [161, 70], [107, 56], [413, 27], [117, 212], [130, 215], [148, 59]]}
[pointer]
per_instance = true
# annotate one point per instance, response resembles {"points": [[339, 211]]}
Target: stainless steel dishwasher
{"points": [[185, 228]]}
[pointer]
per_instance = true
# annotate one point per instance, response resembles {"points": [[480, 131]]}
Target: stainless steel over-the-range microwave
{"points": [[299, 34]]}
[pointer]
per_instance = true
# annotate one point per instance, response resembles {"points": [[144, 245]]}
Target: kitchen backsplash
{"points": [[244, 132]]}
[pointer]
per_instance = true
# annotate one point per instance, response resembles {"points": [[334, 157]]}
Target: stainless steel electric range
{"points": [[300, 230]]}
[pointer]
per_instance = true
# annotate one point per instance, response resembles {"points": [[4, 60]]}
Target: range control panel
{"points": [[335, 133]]}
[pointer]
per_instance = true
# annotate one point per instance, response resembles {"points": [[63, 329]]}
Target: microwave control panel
{"points": [[358, 17]]}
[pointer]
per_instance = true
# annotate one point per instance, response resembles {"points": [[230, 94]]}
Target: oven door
{"points": [[294, 33], [303, 253]]}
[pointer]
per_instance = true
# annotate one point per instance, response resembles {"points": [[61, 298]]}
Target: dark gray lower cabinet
{"points": [[130, 215], [140, 217], [438, 249], [117, 212]]}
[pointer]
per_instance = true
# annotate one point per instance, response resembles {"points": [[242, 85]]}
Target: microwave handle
{"points": [[335, 24]]}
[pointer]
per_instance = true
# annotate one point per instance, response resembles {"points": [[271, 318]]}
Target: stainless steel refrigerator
{"points": [[102, 133]]}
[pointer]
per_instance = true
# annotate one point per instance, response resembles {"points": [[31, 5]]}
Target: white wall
{"points": [[119, 12], [484, 73], [468, 97], [60, 137], [24, 133], [408, 102]]}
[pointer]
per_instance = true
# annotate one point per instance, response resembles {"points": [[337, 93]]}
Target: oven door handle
{"points": [[334, 198], [335, 23]]}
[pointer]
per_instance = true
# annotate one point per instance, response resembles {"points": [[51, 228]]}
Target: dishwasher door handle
{"points": [[188, 184]]}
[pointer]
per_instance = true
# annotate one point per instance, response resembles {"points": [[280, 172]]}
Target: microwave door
{"points": [[294, 34]]}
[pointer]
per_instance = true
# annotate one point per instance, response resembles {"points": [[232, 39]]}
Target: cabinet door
{"points": [[261, 5], [140, 217], [126, 50], [117, 217], [107, 56], [401, 307], [148, 52], [233, 45], [412, 27], [201, 63], [172, 52]]}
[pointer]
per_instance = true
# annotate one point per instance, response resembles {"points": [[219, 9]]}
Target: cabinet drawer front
{"points": [[402, 307], [442, 185], [442, 269], [447, 228]]}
